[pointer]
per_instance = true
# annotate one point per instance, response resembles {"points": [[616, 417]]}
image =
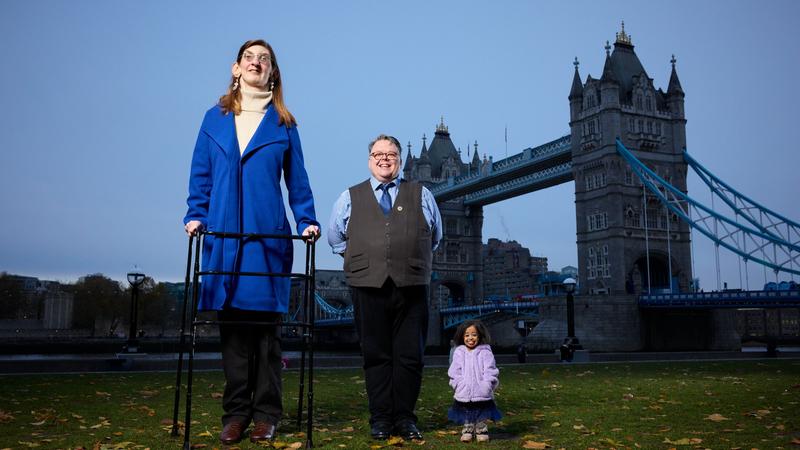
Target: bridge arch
{"points": [[660, 279], [449, 292]]}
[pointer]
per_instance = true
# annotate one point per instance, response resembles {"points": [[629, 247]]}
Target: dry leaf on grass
{"points": [[683, 441], [716, 417], [395, 440], [534, 444]]}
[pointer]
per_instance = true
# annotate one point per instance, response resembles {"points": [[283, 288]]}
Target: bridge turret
{"points": [[423, 163], [576, 93], [475, 165], [408, 168], [609, 85], [675, 94], [675, 100]]}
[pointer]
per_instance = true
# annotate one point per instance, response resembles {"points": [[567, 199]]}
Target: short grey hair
{"points": [[386, 137]]}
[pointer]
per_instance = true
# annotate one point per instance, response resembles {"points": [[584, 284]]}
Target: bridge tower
{"points": [[617, 253], [457, 264]]}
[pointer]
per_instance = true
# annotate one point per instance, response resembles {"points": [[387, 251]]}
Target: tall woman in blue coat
{"points": [[246, 143]]}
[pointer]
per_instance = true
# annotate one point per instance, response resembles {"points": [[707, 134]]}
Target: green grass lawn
{"points": [[719, 405]]}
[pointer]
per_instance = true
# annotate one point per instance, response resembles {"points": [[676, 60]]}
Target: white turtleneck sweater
{"points": [[254, 106]]}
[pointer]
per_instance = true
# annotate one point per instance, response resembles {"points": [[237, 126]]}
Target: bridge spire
{"points": [[624, 38], [577, 87], [409, 166], [442, 128], [674, 83], [608, 72]]}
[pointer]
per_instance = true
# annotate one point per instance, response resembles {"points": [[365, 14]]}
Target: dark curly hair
{"points": [[483, 333]]}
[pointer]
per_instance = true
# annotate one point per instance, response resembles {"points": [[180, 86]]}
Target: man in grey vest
{"points": [[386, 228]]}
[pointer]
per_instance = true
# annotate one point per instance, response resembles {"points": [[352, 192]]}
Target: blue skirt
{"points": [[473, 412]]}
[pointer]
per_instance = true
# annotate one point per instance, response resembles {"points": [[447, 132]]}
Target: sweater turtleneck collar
{"points": [[254, 100]]}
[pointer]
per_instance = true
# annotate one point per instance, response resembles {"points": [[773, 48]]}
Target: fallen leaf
{"points": [[716, 417], [216, 395], [611, 442], [394, 440], [683, 441], [534, 444]]}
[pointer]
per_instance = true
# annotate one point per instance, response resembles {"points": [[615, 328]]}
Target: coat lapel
{"points": [[221, 128], [268, 132]]}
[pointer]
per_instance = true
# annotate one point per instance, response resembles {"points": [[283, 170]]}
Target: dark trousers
{"points": [[392, 323], [251, 358]]}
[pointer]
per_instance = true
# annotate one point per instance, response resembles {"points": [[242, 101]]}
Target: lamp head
{"points": [[135, 277], [569, 285]]}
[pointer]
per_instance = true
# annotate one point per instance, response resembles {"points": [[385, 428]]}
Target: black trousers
{"points": [[251, 359], [392, 323]]}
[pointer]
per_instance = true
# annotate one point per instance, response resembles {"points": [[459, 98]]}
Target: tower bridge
{"points": [[625, 147]]}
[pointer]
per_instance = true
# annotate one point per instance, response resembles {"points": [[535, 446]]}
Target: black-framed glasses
{"points": [[263, 58], [378, 156]]}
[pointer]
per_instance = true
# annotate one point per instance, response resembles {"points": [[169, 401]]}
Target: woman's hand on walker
{"points": [[193, 227], [312, 231]]}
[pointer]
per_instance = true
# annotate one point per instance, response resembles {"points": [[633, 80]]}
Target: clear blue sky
{"points": [[103, 100]]}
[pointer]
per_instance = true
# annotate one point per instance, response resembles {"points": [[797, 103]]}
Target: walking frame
{"points": [[193, 274]]}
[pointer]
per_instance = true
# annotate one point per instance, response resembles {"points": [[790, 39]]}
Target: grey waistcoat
{"points": [[397, 246]]}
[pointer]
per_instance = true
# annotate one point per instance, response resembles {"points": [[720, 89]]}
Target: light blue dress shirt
{"points": [[340, 216]]}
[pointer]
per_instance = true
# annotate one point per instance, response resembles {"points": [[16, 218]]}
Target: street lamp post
{"points": [[571, 343], [135, 278]]}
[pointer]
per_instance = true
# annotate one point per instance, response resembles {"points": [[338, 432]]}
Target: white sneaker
{"points": [[481, 432], [466, 432]]}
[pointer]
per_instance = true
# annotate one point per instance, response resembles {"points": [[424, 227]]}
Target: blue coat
{"points": [[233, 193]]}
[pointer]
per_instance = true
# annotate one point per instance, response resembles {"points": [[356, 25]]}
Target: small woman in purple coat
{"points": [[249, 141], [473, 375]]}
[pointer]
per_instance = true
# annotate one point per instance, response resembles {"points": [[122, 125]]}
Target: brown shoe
{"points": [[231, 433], [262, 431]]}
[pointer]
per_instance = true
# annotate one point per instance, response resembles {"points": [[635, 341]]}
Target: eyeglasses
{"points": [[378, 156], [263, 58]]}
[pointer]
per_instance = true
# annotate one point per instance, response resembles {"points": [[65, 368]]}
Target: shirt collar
{"points": [[375, 183]]}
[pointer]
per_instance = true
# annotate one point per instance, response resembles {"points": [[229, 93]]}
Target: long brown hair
{"points": [[231, 101]]}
